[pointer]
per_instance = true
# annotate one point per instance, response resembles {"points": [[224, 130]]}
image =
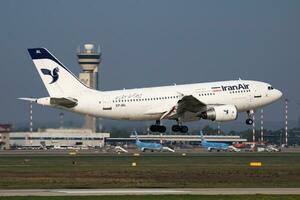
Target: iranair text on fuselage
{"points": [[235, 87]]}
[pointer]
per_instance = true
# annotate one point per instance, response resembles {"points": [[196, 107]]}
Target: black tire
{"points": [[176, 128], [153, 128], [184, 129], [162, 129], [249, 121]]}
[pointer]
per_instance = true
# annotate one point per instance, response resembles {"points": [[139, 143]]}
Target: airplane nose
{"points": [[278, 94]]}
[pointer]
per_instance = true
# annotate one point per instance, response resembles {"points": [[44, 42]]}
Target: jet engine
{"points": [[220, 113]]}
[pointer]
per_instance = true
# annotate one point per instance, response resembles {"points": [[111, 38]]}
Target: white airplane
{"points": [[216, 101]]}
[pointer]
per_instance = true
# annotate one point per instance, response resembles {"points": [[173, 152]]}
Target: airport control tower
{"points": [[89, 59]]}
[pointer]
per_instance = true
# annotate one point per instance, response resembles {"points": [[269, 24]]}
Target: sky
{"points": [[151, 43]]}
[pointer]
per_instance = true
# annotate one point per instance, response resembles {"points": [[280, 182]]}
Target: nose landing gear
{"points": [[250, 113], [249, 121]]}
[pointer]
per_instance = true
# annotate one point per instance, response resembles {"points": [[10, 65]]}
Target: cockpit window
{"points": [[270, 88]]}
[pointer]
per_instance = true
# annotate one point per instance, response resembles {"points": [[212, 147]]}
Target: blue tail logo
{"points": [[53, 74]]}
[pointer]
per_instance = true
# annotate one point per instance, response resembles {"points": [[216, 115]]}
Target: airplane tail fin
{"points": [[136, 136], [58, 79], [202, 137]]}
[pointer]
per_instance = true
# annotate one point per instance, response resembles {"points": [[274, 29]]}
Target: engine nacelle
{"points": [[220, 113]]}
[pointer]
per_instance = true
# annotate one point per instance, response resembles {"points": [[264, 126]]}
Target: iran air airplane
{"points": [[216, 101]]}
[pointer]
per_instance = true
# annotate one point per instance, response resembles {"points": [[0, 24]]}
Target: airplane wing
{"points": [[156, 111], [189, 104]]}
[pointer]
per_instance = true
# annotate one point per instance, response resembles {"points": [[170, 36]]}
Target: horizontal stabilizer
{"points": [[28, 99], [65, 102]]}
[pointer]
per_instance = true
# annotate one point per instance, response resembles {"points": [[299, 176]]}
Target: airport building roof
{"points": [[182, 138]]}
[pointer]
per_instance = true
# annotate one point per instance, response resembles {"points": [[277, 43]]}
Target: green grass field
{"points": [[152, 170], [164, 197]]}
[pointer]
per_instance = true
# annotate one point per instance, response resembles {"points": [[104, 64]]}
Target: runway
{"points": [[151, 191]]}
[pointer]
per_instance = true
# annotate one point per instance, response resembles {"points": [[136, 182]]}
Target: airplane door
{"points": [[255, 97], [106, 105]]}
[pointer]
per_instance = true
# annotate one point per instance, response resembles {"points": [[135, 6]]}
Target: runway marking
{"points": [[121, 191], [150, 191]]}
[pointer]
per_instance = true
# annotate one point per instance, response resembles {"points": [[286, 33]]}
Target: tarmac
{"points": [[150, 191]]}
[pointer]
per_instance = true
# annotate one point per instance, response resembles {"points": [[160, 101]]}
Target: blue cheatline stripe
{"points": [[42, 53]]}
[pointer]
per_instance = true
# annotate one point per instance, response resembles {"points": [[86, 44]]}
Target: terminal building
{"points": [[4, 136], [83, 138], [58, 138]]}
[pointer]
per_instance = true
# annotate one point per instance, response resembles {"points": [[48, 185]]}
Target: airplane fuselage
{"points": [[215, 145], [149, 103], [148, 146]]}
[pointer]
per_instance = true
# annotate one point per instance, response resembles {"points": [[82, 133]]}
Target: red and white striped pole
{"points": [[30, 124], [253, 128], [286, 121], [30, 118], [262, 125]]}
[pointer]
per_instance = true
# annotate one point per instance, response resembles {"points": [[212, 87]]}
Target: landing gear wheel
{"points": [[161, 129], [153, 128], [249, 121], [157, 128], [176, 128], [184, 129]]}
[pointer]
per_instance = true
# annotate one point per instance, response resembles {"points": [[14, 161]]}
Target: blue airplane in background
{"points": [[143, 146], [213, 145]]}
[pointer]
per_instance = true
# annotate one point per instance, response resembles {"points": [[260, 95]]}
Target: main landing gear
{"points": [[157, 127], [249, 121], [179, 128]]}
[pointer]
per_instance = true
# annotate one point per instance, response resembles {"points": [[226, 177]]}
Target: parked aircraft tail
{"points": [[136, 136], [202, 137]]}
